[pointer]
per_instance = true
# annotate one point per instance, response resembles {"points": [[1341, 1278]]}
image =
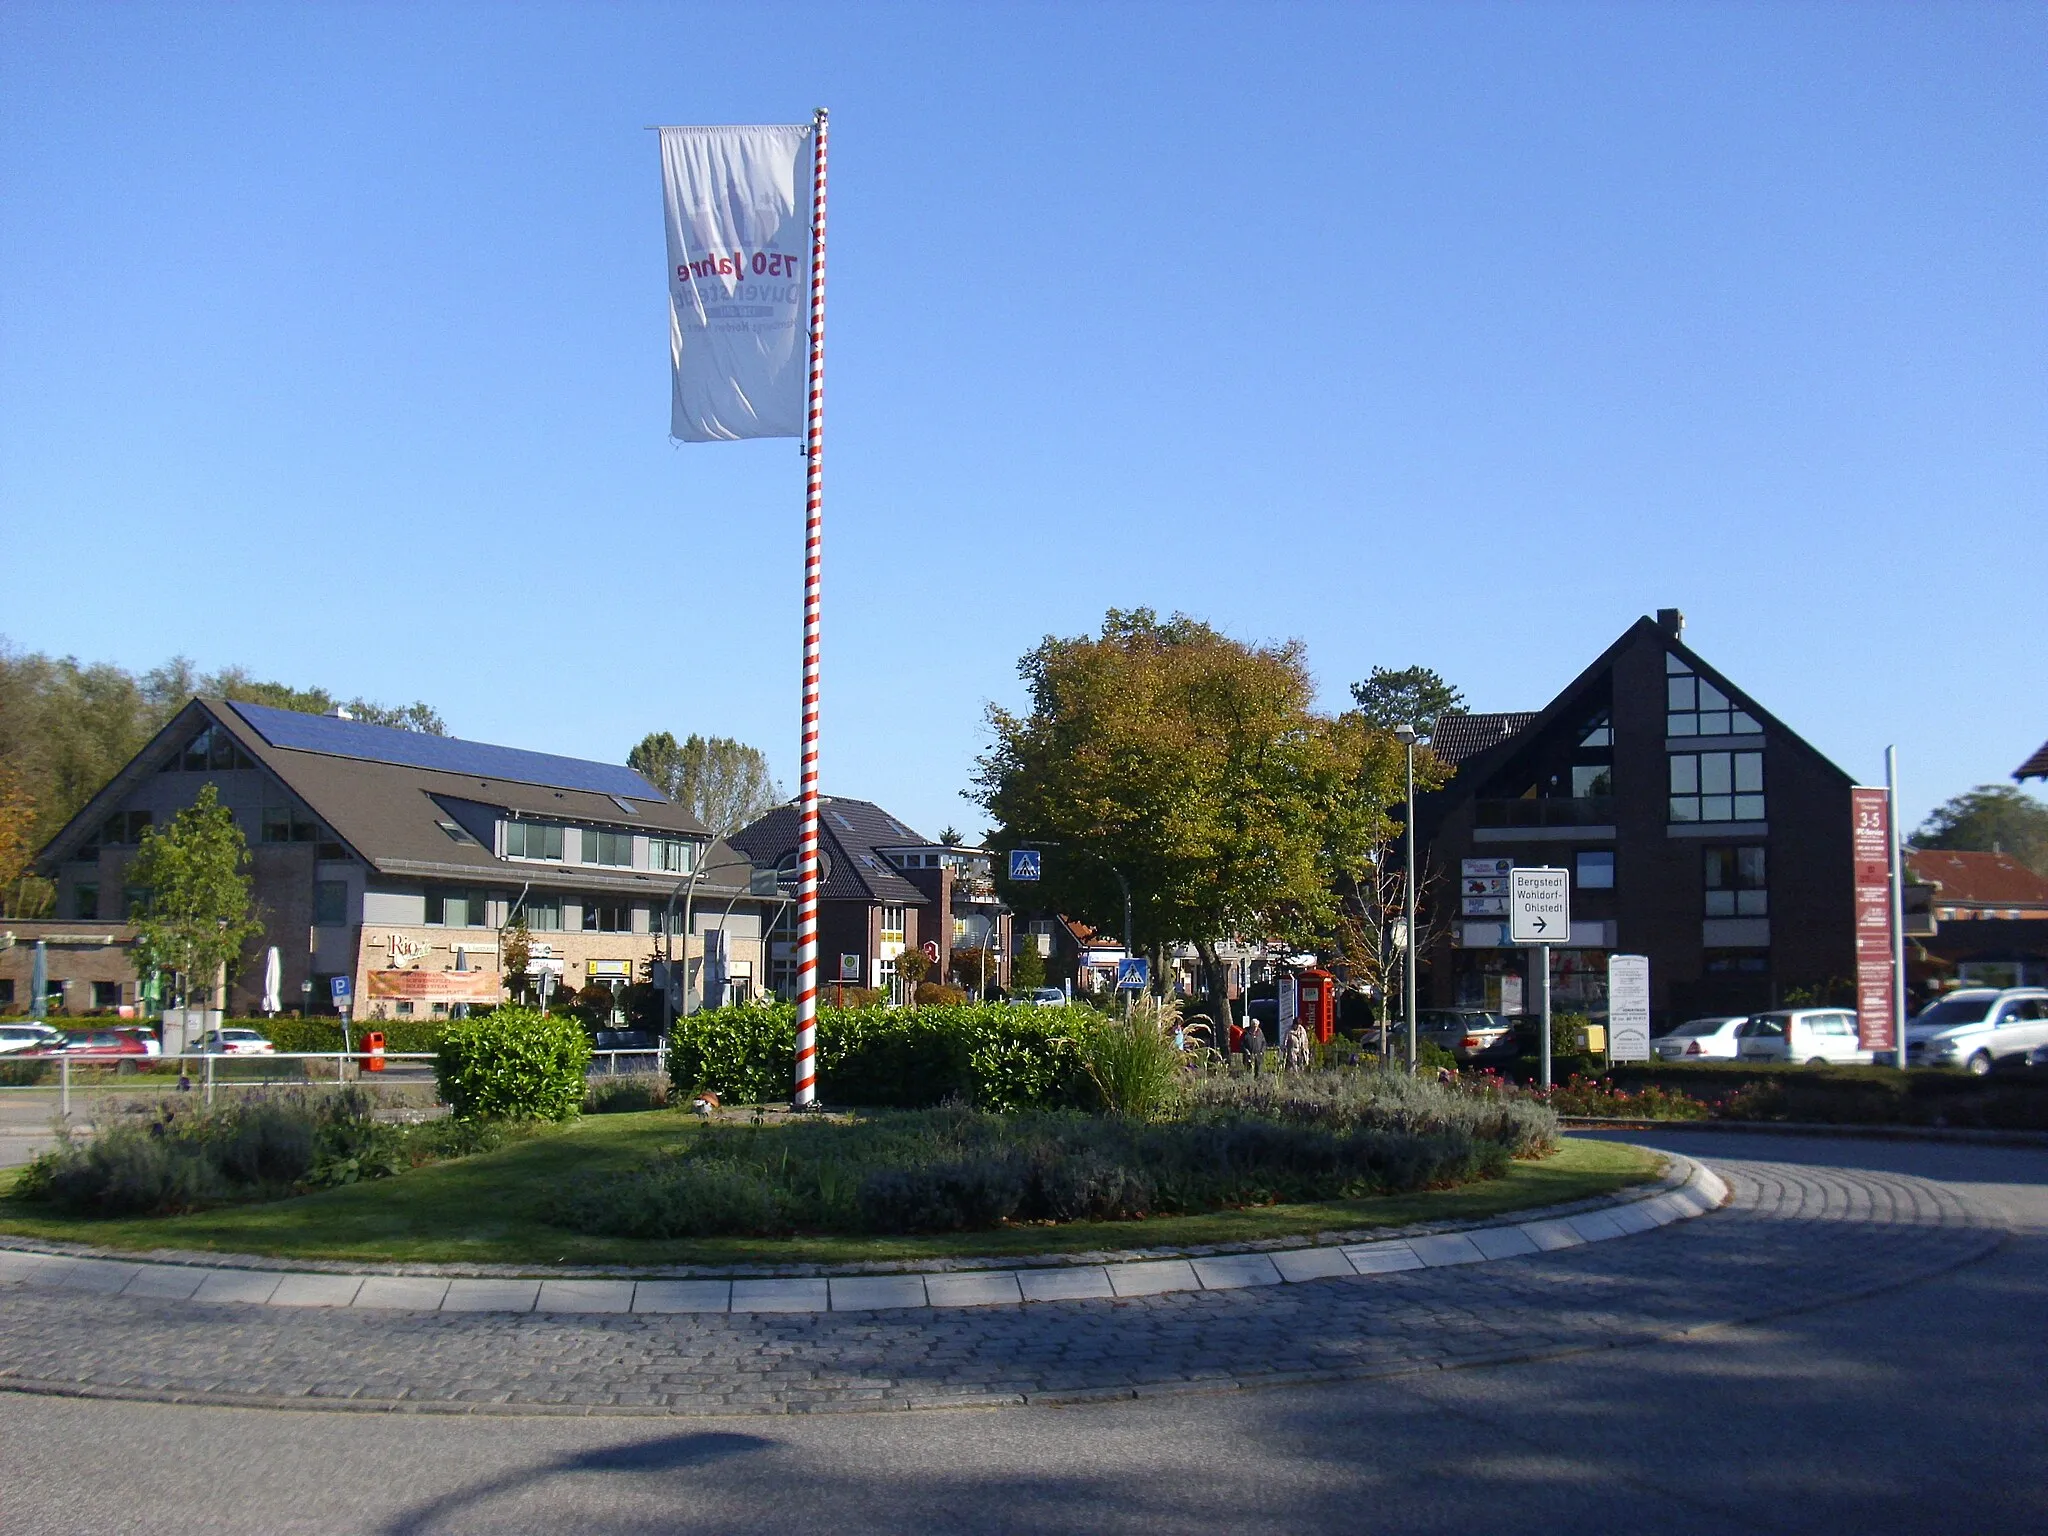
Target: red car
{"points": [[119, 1044]]}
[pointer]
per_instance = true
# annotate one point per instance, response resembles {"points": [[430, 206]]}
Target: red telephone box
{"points": [[1319, 1005]]}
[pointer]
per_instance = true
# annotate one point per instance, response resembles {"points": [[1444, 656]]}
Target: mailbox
{"points": [[373, 1043]]}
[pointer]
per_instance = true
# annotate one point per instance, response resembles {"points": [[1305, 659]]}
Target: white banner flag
{"points": [[739, 279]]}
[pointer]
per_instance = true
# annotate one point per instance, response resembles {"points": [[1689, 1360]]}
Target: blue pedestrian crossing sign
{"points": [[1024, 863], [1133, 975]]}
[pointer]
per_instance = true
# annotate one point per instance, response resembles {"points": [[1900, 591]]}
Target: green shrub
{"points": [[1133, 1061], [513, 1064], [403, 1035], [938, 992], [627, 1094], [995, 1055]]}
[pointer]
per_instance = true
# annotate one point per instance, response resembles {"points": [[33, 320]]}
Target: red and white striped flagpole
{"points": [[814, 542]]}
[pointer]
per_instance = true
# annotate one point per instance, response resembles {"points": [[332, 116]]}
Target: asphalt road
{"points": [[1921, 1409]]}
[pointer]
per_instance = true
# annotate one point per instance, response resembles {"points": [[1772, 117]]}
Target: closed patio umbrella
{"points": [[273, 978], [39, 982]]}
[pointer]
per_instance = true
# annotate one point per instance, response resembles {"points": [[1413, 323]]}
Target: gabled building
{"points": [[1698, 830], [884, 889], [1974, 919], [396, 859]]}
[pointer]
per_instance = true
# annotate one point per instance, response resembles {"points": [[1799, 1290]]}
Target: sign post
{"points": [[1871, 853], [1628, 1008], [1540, 915]]}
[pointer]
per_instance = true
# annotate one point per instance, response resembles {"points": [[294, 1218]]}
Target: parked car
{"points": [[37, 1039], [117, 1043], [1977, 1028], [1048, 997], [628, 1040], [1708, 1039], [1816, 1036], [234, 1042], [1464, 1032]]}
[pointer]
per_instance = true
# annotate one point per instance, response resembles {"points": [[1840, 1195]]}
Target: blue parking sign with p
{"points": [[341, 987], [1133, 975], [1024, 864]]}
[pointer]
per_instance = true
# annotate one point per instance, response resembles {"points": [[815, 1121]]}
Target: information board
{"points": [[1628, 1007], [1870, 852]]}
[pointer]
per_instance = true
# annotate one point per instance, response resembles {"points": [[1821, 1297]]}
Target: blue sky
{"points": [[333, 344]]}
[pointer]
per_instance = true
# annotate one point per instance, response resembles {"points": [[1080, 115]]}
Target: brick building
{"points": [[396, 859], [1698, 829]]}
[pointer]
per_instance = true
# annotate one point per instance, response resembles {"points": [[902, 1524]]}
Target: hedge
{"points": [[1846, 1095], [513, 1064], [998, 1056]]}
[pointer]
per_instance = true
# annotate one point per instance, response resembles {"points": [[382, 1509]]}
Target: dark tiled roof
{"points": [[1458, 735], [2035, 767], [850, 833], [1977, 879]]}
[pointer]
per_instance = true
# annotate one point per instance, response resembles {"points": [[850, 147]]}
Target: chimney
{"points": [[1672, 623]]}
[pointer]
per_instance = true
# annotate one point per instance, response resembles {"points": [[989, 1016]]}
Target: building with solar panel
{"points": [[397, 858]]}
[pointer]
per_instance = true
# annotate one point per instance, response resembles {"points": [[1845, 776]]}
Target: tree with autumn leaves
{"points": [[1197, 767]]}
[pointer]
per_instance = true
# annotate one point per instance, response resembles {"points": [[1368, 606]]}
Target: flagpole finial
{"points": [[819, 114]]}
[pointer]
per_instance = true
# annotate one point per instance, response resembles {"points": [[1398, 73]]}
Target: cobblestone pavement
{"points": [[1791, 1237]]}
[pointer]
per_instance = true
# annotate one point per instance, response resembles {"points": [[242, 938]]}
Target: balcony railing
{"points": [[1590, 811]]}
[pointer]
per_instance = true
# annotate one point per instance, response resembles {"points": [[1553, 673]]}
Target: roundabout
{"points": [[1787, 1237]]}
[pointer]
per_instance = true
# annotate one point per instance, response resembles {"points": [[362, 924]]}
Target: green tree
{"points": [[1193, 765], [1413, 696], [725, 782], [515, 955], [1027, 966], [1991, 818], [196, 917], [912, 966], [239, 684]]}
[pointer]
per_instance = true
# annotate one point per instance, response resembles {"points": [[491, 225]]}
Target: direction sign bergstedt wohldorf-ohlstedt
{"points": [[1540, 906]]}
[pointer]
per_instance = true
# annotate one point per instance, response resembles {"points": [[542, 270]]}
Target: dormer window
{"points": [[533, 840]]}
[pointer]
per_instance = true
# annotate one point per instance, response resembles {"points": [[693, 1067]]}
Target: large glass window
{"points": [[607, 917], [893, 924], [330, 903], [601, 847], [672, 855], [1695, 707], [1595, 869], [1735, 886], [456, 908], [543, 914], [532, 840], [212, 749], [85, 901], [1717, 786], [289, 824]]}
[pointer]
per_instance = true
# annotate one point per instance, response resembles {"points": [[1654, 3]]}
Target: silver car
{"points": [[1708, 1039], [1816, 1036], [1978, 1027]]}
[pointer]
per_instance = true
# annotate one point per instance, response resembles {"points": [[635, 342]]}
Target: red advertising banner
{"points": [[1871, 850]]}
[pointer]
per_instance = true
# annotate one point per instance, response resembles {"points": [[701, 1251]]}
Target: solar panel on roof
{"points": [[325, 734]]}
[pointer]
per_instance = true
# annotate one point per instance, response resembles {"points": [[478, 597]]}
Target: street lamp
{"points": [[1409, 738]]}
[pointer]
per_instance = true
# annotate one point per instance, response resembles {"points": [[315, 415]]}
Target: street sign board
{"points": [[342, 987], [1870, 853], [1133, 974], [1480, 869], [1628, 1007], [1024, 864], [1540, 906]]}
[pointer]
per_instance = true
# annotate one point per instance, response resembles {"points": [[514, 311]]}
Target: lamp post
{"points": [[1409, 738]]}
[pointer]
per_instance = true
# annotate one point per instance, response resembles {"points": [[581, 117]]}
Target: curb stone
{"points": [[1686, 1189]]}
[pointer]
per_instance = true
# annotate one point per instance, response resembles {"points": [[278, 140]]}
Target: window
{"points": [[456, 908], [1595, 871], [212, 748], [1717, 786], [532, 840], [607, 917], [892, 925], [106, 994], [1592, 779], [1695, 707], [672, 855], [543, 914], [134, 900], [125, 827], [615, 848], [289, 824], [885, 978], [330, 903], [456, 834], [1735, 884], [6, 991], [403, 1009], [85, 901]]}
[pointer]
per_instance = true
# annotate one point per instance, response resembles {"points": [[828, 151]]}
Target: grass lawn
{"points": [[482, 1209]]}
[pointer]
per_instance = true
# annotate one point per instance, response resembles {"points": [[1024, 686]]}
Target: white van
{"points": [[1818, 1037]]}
